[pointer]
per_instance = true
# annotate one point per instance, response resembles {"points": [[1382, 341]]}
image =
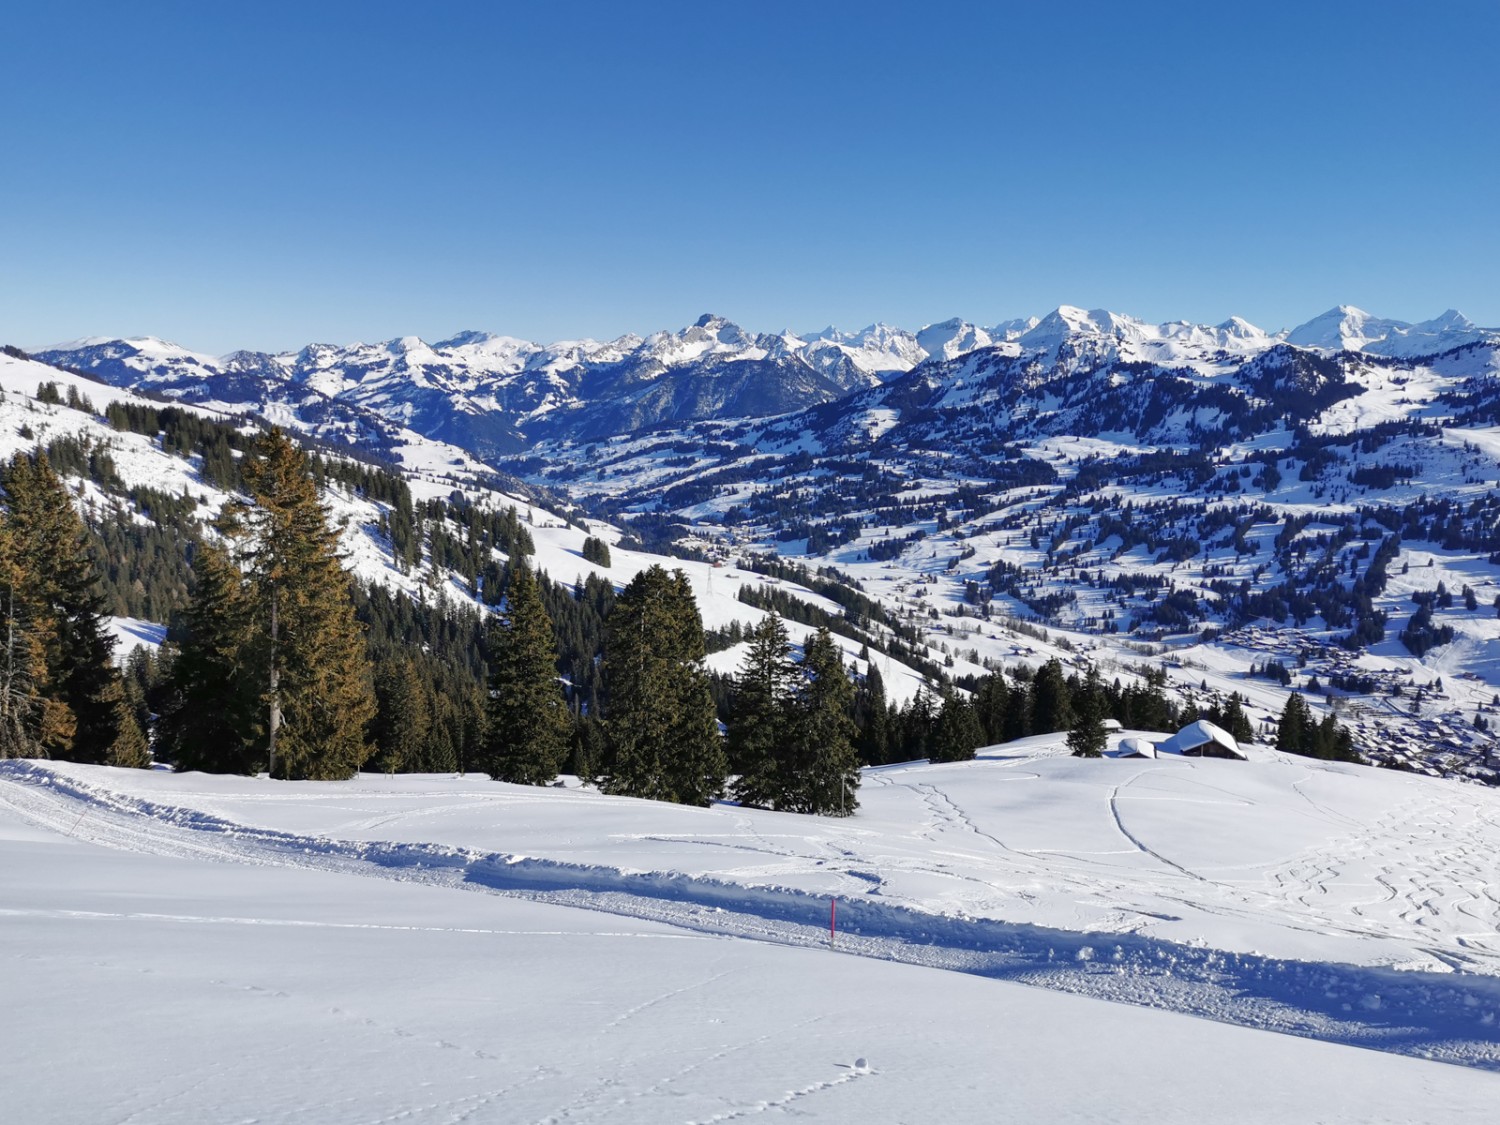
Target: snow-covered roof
{"points": [[1134, 747], [1200, 733]]}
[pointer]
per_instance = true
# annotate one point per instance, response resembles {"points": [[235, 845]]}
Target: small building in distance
{"points": [[1201, 739]]}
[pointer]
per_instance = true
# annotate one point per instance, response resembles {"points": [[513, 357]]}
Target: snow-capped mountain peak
{"points": [[1342, 328], [950, 339], [1347, 328]]}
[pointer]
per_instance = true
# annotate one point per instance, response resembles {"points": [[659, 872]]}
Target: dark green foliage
{"points": [[872, 718], [825, 769], [578, 614], [1421, 633], [130, 748], [913, 727], [1230, 714], [59, 591], [29, 709], [1051, 700], [760, 717], [443, 644], [992, 702], [596, 551], [791, 734], [1087, 738], [663, 735], [529, 730], [307, 652], [1299, 732], [211, 719], [403, 718], [958, 732]]}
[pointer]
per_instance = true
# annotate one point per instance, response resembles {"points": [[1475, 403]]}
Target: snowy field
{"points": [[444, 949]]}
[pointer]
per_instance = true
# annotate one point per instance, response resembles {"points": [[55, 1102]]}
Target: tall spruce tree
{"points": [[530, 729], [29, 716], [59, 592], [825, 768], [309, 649], [662, 730], [760, 717], [991, 702], [1296, 723], [403, 719], [958, 732], [1087, 737], [213, 721], [130, 748], [1051, 701], [872, 717]]}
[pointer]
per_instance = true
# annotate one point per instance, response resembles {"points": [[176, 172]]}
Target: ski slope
{"points": [[1341, 904]]}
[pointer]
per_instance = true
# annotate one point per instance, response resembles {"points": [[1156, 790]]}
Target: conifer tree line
{"points": [[1003, 706], [1300, 732], [791, 726], [272, 672], [274, 666]]}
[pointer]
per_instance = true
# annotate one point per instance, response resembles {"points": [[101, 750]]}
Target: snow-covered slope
{"points": [[200, 990], [1339, 904]]}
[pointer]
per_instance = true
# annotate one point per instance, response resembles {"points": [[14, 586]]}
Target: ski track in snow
{"points": [[1444, 1016]]}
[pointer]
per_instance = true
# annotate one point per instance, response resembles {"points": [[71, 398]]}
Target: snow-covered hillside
{"points": [[432, 471], [601, 970]]}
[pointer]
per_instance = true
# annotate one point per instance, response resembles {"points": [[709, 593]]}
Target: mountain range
{"points": [[499, 395]]}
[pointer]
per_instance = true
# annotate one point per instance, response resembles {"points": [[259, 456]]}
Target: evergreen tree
{"points": [[915, 724], [59, 585], [958, 732], [991, 702], [872, 717], [212, 720], [825, 769], [530, 729], [130, 748], [596, 551], [663, 733], [1234, 720], [28, 715], [1296, 722], [1051, 702], [403, 718], [1088, 739], [308, 648], [760, 717]]}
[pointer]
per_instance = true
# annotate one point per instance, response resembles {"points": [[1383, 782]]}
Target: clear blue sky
{"points": [[268, 174]]}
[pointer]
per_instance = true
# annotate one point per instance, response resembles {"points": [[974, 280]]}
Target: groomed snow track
{"points": [[1449, 1017]]}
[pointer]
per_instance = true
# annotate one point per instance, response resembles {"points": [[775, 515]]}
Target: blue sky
{"points": [[263, 175]]}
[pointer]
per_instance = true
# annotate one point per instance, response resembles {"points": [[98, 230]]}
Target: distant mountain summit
{"points": [[1346, 328]]}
